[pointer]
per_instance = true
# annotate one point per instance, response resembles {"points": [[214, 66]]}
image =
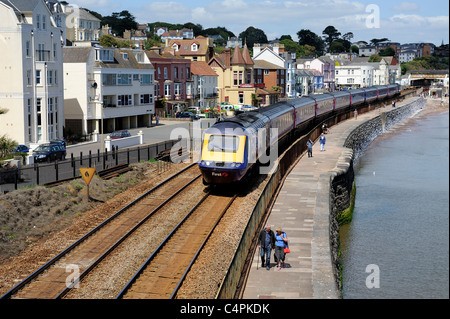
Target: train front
{"points": [[224, 154]]}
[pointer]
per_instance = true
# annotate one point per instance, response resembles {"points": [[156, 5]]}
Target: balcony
{"points": [[42, 55]]}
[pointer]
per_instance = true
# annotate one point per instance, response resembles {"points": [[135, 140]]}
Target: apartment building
{"points": [[81, 27], [31, 78], [107, 89], [270, 76], [173, 81], [355, 75]]}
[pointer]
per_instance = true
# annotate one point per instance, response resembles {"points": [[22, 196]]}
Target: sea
{"points": [[397, 245]]}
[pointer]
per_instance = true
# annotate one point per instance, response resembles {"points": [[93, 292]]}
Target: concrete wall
{"points": [[342, 177]]}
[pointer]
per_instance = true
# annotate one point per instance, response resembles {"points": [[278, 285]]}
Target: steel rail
{"points": [[158, 249], [125, 236], [197, 253], [89, 234]]}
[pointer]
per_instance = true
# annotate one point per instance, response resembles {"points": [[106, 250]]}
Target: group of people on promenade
{"points": [[277, 241]]}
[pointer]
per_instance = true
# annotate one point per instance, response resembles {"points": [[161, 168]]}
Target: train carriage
{"points": [[341, 99], [382, 92], [324, 103], [304, 108], [358, 97], [371, 94]]}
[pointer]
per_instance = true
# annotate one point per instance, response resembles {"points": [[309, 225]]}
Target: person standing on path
{"points": [[355, 113], [280, 244], [309, 144], [266, 242], [322, 141]]}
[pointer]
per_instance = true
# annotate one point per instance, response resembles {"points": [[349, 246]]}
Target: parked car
{"points": [[57, 141], [187, 115], [119, 134], [21, 149], [49, 152]]}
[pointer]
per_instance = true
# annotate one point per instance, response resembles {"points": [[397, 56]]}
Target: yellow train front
{"points": [[224, 156]]}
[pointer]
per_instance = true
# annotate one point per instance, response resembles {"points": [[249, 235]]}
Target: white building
{"points": [[81, 27], [109, 85], [367, 51], [277, 55], [406, 56], [204, 84], [360, 75], [31, 76]]}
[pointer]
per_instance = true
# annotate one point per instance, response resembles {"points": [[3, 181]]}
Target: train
{"points": [[232, 146]]}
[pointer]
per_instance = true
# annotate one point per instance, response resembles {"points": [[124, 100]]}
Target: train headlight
{"points": [[208, 163], [233, 164], [238, 164], [202, 162]]}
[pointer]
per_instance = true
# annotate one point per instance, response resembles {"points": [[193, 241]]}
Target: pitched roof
{"points": [[202, 68], [186, 45], [76, 54], [21, 5], [263, 64], [246, 55], [237, 57]]}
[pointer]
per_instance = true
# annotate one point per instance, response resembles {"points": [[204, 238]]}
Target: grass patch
{"points": [[345, 216]]}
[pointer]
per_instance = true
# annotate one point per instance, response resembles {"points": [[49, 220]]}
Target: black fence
{"points": [[42, 173]]}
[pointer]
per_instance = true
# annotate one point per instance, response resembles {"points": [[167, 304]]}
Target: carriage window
{"points": [[223, 143]]}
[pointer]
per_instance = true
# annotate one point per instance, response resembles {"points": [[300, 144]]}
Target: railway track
{"points": [[58, 276], [164, 271]]}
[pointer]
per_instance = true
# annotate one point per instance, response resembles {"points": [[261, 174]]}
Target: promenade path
{"points": [[301, 210]]}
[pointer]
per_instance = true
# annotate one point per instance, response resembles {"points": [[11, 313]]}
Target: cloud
{"points": [[406, 7], [277, 17]]}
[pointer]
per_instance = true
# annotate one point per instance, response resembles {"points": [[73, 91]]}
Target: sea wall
{"points": [[342, 177]]}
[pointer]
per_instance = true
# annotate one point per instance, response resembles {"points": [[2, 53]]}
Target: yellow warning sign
{"points": [[87, 174]]}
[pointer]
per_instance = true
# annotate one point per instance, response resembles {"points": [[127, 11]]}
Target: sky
{"points": [[399, 21]]}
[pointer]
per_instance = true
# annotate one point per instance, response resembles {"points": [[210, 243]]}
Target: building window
{"points": [[146, 99], [44, 25], [49, 77], [235, 78], [177, 89], [146, 79], [38, 76], [165, 73], [38, 22], [108, 79], [175, 72], [194, 47], [28, 77], [166, 89], [124, 79], [124, 100], [27, 48], [241, 97]]}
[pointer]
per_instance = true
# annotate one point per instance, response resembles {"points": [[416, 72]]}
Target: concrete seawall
{"points": [[341, 178]]}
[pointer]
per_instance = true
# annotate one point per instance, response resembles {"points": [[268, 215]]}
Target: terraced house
{"points": [[235, 76], [31, 81], [107, 85]]}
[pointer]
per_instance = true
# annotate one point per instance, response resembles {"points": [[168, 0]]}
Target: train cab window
{"points": [[223, 143]]}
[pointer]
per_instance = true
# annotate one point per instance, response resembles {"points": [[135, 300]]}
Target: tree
{"points": [[119, 22], [308, 38], [292, 46], [284, 37], [387, 52], [376, 41], [330, 34], [253, 35]]}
